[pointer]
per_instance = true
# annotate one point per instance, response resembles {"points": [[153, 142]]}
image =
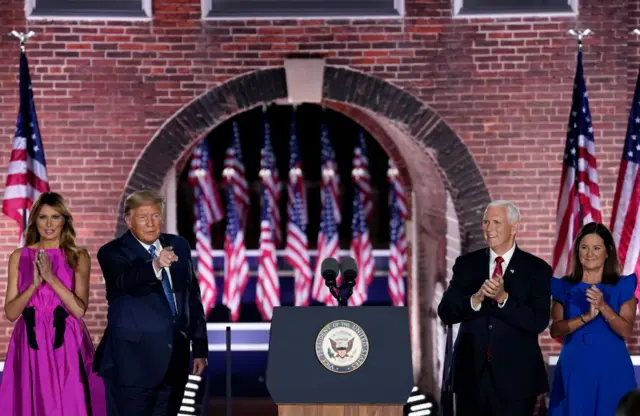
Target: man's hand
{"points": [[477, 298], [199, 365], [494, 289], [165, 258]]}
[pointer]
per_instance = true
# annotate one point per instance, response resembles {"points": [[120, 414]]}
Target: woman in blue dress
{"points": [[593, 310]]}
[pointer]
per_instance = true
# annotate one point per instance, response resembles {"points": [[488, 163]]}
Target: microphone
{"points": [[329, 270], [349, 270]]}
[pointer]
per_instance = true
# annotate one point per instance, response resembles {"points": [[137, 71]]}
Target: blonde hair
{"points": [[140, 198], [68, 233]]}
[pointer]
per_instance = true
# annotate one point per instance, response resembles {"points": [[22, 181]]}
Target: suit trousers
{"points": [[162, 400], [486, 402]]}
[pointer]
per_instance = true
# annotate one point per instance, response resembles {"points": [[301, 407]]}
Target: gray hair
{"points": [[513, 213], [144, 197]]}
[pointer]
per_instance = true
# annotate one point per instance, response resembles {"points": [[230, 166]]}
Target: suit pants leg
{"points": [[171, 390], [523, 407], [485, 400], [129, 400], [477, 402]]}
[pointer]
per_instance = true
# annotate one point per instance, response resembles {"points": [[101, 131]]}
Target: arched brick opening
{"points": [[432, 160]]}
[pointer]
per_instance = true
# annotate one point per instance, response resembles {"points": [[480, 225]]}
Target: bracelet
{"points": [[612, 318], [582, 319]]}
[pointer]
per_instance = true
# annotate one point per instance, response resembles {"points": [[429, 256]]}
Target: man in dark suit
{"points": [[501, 296], [155, 313]]}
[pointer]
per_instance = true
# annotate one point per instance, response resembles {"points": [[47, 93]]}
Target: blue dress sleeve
{"points": [[558, 287], [627, 288]]}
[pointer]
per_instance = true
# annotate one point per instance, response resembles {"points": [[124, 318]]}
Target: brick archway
{"points": [[432, 160], [342, 85]]}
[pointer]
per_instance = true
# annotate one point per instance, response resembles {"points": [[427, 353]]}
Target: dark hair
{"points": [[629, 405], [611, 272]]}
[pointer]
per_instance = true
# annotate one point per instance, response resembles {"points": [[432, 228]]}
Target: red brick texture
{"points": [[498, 94]]}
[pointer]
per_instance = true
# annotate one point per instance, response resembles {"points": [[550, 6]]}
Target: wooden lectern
{"points": [[340, 361]]}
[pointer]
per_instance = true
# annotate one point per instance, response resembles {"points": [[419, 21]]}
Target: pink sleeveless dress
{"points": [[56, 378]]}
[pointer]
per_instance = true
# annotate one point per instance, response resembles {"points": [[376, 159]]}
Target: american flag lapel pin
{"points": [[512, 271]]}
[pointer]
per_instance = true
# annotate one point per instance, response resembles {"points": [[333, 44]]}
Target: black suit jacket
{"points": [[141, 332], [516, 360]]}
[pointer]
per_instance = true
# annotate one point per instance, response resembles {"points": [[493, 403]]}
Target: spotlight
{"points": [[189, 405], [419, 405]]}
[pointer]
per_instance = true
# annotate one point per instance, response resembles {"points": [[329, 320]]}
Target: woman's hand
{"points": [[37, 278], [593, 312], [44, 264], [594, 296]]}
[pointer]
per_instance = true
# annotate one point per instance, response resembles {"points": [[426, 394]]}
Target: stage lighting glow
{"points": [[416, 398], [422, 406], [189, 406], [418, 404]]}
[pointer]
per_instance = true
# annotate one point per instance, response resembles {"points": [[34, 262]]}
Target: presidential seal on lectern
{"points": [[342, 346]]}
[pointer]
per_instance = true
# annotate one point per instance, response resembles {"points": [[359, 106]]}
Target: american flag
{"points": [[625, 223], [208, 210], [234, 167], [268, 284], [328, 244], [330, 176], [361, 169], [236, 269], [27, 176], [296, 250], [579, 199], [327, 247], [271, 181], [361, 251], [398, 249]]}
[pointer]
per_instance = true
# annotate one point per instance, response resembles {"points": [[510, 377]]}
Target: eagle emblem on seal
{"points": [[341, 347]]}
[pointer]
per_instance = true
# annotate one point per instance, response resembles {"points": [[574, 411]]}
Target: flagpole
{"points": [[23, 38], [579, 35]]}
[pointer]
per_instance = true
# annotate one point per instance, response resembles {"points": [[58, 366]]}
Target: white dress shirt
{"points": [[506, 257], [159, 249]]}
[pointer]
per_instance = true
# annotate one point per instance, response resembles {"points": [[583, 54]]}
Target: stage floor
{"points": [[244, 406]]}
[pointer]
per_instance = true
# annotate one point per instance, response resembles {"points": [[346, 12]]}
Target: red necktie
{"points": [[496, 273]]}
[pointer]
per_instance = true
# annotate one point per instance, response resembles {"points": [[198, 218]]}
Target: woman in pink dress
{"points": [[48, 366]]}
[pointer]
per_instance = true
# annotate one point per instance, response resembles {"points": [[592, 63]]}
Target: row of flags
{"points": [[308, 282], [578, 203]]}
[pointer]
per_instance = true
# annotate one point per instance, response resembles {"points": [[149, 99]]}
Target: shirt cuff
{"points": [[157, 272], [501, 305], [475, 308]]}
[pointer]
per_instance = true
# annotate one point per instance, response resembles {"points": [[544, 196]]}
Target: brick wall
{"points": [[104, 88]]}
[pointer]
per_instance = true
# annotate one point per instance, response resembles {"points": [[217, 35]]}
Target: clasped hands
{"points": [[42, 271], [165, 258], [491, 288], [596, 301]]}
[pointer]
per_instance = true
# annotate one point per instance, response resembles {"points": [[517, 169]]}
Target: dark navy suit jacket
{"points": [[141, 332], [512, 331]]}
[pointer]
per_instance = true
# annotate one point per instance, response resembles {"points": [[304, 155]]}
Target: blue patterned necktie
{"points": [[166, 285]]}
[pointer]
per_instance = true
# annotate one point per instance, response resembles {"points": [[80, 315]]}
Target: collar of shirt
{"points": [[506, 257], [156, 244]]}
